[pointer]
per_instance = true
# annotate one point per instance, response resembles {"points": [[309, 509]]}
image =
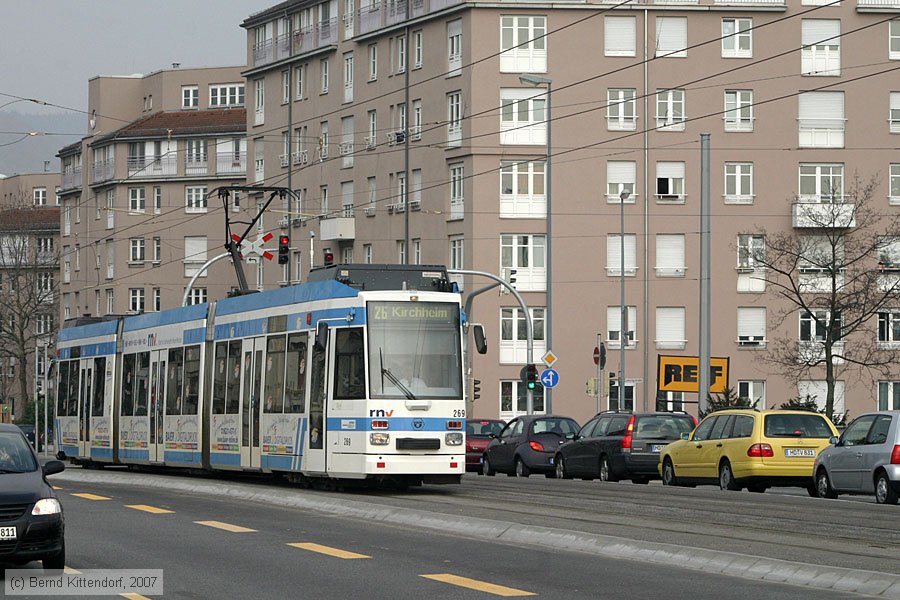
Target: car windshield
{"points": [[561, 427], [807, 426], [483, 428], [15, 453], [663, 427]]}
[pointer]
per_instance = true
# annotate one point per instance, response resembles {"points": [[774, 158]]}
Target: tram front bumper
{"points": [[416, 464]]}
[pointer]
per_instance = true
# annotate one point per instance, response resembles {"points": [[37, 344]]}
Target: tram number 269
{"points": [[460, 413]]}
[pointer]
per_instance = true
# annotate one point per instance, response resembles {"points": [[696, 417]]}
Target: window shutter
{"points": [[670, 170], [670, 324], [671, 35], [620, 171], [619, 33], [895, 101], [630, 257], [195, 249], [751, 323], [613, 318], [822, 107], [815, 31], [612, 252], [670, 252]]}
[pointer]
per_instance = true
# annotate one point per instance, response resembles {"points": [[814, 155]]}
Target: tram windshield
{"points": [[414, 350]]}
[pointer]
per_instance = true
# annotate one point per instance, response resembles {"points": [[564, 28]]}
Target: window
{"points": [[516, 390], [110, 259], [454, 119], [818, 389], [137, 250], [821, 119], [737, 38], [619, 36], [614, 255], [228, 94], [195, 199], [196, 156], [401, 53], [751, 327], [401, 252], [889, 393], [373, 62], [751, 252], [45, 245], [190, 96], [157, 250], [43, 326], [670, 110], [522, 116], [820, 254], [821, 47], [614, 326], [893, 118], [738, 110], [348, 77], [259, 102], [415, 132], [136, 299], [814, 326], [670, 255], [346, 198], [197, 296], [323, 199], [418, 49], [821, 183], [457, 191], [285, 86], [259, 160], [457, 258], [454, 48], [753, 391], [895, 184], [527, 254], [194, 255], [346, 148], [671, 37], [738, 183], [514, 334], [157, 299], [621, 109], [110, 301], [620, 177], [40, 194], [367, 253], [523, 44], [670, 328], [670, 182], [522, 192], [323, 72], [894, 39], [157, 199], [889, 329], [136, 200]]}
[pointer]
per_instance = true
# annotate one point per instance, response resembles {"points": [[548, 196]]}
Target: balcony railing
{"points": [[376, 16], [196, 166], [71, 179], [338, 228], [152, 166], [823, 214], [231, 163], [263, 53], [103, 170], [876, 4]]}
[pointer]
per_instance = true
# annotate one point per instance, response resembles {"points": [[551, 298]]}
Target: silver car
{"points": [[864, 460]]}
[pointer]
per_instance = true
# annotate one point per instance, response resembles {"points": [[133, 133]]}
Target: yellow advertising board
{"points": [[682, 374]]}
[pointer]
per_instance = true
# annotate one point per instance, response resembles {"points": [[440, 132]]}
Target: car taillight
{"points": [[895, 455], [536, 446], [626, 441], [760, 450]]}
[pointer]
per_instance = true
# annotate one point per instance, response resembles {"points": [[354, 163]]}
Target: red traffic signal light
{"points": [[284, 249]]}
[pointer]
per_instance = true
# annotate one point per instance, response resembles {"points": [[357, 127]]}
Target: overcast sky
{"points": [[50, 48]]}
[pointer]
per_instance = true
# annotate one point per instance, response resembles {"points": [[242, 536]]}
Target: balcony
{"points": [[263, 53], [823, 212], [196, 166], [378, 15], [813, 352], [878, 5], [338, 228], [231, 163], [71, 179], [152, 166], [103, 170]]}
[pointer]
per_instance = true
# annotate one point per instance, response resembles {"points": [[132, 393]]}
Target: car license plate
{"points": [[657, 447], [7, 533], [801, 452]]}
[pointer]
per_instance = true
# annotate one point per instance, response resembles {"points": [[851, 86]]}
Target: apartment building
{"points": [[29, 246], [421, 132], [140, 210]]}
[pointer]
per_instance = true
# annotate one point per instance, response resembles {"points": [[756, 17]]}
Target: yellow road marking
{"points": [[71, 571], [327, 550], [56, 487], [150, 509], [474, 584], [225, 526], [87, 496]]}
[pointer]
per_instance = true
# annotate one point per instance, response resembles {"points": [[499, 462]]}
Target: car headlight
{"points": [[453, 439], [46, 506], [379, 438]]}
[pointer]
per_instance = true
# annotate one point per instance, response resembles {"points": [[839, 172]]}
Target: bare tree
{"points": [[834, 272]]}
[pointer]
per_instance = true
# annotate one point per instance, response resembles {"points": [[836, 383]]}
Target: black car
{"points": [[31, 517], [527, 444], [621, 445]]}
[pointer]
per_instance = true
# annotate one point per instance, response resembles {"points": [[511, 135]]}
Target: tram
{"points": [[356, 374]]}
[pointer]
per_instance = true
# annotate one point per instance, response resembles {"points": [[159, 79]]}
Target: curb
{"points": [[732, 564]]}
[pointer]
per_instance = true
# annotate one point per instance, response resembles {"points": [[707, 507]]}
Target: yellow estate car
{"points": [[741, 448]]}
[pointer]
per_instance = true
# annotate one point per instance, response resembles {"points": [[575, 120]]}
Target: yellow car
{"points": [[741, 448]]}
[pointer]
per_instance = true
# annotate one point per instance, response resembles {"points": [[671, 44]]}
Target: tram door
{"points": [[157, 443], [251, 388], [315, 452], [84, 407]]}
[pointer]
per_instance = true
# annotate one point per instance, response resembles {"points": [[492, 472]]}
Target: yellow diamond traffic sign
{"points": [[549, 358]]}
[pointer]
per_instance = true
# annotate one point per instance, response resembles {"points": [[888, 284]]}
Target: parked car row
{"points": [[734, 448]]}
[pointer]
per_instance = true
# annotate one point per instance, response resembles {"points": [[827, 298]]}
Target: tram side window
{"points": [[295, 383], [62, 404], [274, 387], [128, 364], [174, 379], [218, 404], [233, 389], [350, 370], [191, 380], [74, 375], [317, 398], [98, 406], [142, 379]]}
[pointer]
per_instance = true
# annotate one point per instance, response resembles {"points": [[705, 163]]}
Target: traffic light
{"points": [[327, 257], [531, 376], [476, 387], [284, 249]]}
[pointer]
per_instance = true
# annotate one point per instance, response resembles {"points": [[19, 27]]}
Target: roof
{"points": [[266, 14], [182, 123], [73, 148], [30, 219]]}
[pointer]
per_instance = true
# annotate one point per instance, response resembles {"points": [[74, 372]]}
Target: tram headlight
{"points": [[46, 506], [379, 438], [454, 438]]}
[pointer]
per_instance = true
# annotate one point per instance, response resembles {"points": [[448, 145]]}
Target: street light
{"points": [[537, 81], [623, 310]]}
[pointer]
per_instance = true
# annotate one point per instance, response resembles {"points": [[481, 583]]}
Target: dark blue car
{"points": [[527, 445]]}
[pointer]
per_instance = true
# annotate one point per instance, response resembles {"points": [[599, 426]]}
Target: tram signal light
{"points": [[284, 249], [328, 257]]}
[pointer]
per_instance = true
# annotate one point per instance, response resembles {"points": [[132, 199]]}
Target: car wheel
{"points": [[823, 486], [486, 467], [668, 473], [561, 468], [726, 478], [757, 488], [606, 473], [57, 562], [522, 469], [884, 493]]}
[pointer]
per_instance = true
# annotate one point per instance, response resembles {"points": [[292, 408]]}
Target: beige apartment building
{"points": [[29, 262], [140, 210]]}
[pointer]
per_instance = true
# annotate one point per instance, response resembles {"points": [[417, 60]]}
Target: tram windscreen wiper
{"points": [[393, 379]]}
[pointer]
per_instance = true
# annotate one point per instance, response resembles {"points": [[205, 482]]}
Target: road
{"points": [[223, 547]]}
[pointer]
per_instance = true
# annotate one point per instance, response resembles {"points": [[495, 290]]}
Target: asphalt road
{"points": [[105, 530]]}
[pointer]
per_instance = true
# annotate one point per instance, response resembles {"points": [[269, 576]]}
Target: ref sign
{"points": [[682, 374]]}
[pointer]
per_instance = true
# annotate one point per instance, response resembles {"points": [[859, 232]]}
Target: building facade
{"points": [[422, 133]]}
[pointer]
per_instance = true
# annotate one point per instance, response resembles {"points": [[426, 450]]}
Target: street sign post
{"points": [[549, 378]]}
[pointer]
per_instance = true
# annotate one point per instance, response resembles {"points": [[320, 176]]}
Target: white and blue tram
{"points": [[355, 375]]}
